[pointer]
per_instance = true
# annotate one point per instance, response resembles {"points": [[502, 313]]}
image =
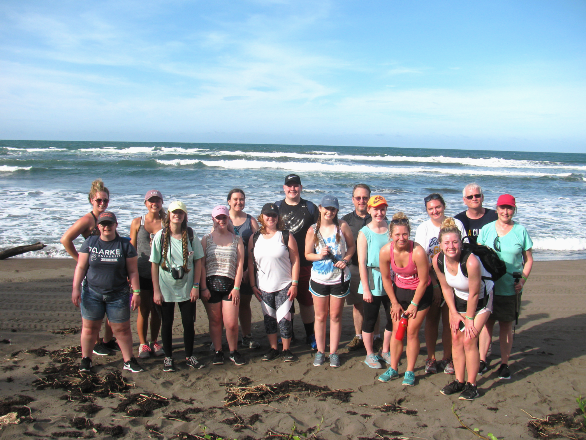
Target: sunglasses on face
{"points": [[270, 215], [474, 196], [107, 224], [100, 201], [221, 217], [361, 198], [154, 200], [178, 212]]}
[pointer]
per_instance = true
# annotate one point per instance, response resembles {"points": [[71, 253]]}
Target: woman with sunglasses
{"points": [[426, 236], [329, 244], [244, 226], [513, 245], [410, 293], [274, 260], [221, 276], [106, 262], [86, 226], [176, 254], [142, 231]]}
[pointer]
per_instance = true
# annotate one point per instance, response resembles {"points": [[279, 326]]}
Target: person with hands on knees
{"points": [[221, 277], [106, 261], [410, 294], [329, 244], [467, 288], [176, 255], [273, 268]]}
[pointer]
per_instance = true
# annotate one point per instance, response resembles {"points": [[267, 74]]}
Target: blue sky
{"points": [[507, 75]]}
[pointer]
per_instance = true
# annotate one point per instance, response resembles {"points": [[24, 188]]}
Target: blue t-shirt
{"points": [[107, 272]]}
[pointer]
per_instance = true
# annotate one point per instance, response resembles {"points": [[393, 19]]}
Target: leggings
{"points": [[370, 311], [167, 313], [276, 308]]}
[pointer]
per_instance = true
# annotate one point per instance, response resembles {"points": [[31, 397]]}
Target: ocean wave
{"points": [[178, 162], [34, 150], [11, 169], [559, 244]]}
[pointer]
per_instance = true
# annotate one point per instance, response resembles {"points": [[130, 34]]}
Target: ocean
{"points": [[44, 184]]}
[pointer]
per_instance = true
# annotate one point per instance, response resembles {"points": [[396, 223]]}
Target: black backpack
{"points": [[488, 257], [255, 239]]}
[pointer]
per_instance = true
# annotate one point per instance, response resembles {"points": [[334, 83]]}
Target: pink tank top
{"points": [[405, 277]]}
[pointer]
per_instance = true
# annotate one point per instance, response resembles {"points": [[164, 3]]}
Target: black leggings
{"points": [[167, 313], [370, 311]]}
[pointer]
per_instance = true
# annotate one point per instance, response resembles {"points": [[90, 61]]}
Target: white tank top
{"points": [[273, 263], [461, 285]]}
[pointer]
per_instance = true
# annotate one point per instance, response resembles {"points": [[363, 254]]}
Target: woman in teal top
{"points": [[371, 239], [513, 245]]}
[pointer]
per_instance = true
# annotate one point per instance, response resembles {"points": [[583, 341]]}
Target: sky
{"points": [[499, 75]]}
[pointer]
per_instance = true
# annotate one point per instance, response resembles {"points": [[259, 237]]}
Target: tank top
{"points": [[406, 277], [245, 231], [221, 260], [323, 271], [144, 241], [96, 230], [374, 242], [460, 283], [273, 263]]}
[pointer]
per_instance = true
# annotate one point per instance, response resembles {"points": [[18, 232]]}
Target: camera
{"points": [[517, 276], [177, 272]]}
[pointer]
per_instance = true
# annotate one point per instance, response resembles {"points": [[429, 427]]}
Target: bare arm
{"points": [[384, 262], [81, 226], [132, 270], [295, 267], [449, 296], [362, 248], [134, 227], [203, 289], [528, 259], [310, 254], [235, 293], [251, 273], [157, 295], [422, 264], [81, 268], [350, 244], [194, 294]]}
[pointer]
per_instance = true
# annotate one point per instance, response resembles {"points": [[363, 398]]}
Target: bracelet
{"points": [[252, 287], [435, 285], [204, 289], [136, 291], [524, 277], [236, 288], [295, 281], [196, 286], [468, 317], [414, 304]]}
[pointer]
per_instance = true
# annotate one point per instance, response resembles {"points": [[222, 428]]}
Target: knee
{"points": [[470, 344], [231, 326]]}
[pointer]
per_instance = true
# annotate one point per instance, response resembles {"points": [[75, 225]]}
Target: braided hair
{"points": [[167, 242]]}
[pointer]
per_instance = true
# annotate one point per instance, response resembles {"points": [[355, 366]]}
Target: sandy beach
{"points": [[548, 363]]}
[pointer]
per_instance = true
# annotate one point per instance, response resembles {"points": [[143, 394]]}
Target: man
{"points": [[298, 215], [357, 219], [475, 217]]}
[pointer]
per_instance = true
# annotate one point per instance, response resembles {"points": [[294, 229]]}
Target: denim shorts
{"points": [[95, 305]]}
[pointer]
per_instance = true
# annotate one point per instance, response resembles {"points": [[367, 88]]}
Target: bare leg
{"points": [[142, 320], [336, 308], [273, 342], [368, 339], [230, 318], [124, 338], [245, 314], [485, 339], [446, 332], [471, 349], [506, 340], [322, 306], [215, 323], [431, 329], [89, 334], [358, 317], [413, 339]]}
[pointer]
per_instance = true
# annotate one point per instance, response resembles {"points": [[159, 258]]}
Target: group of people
{"points": [[296, 250]]}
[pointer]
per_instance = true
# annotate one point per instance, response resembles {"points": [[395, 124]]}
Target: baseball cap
{"points": [[174, 206], [219, 210], [153, 193], [270, 208], [329, 201], [106, 217], [292, 179], [506, 199], [375, 201]]}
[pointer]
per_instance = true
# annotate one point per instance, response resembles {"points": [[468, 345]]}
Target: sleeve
{"points": [[156, 248], [462, 229], [197, 248], [129, 249], [420, 236], [527, 242], [85, 247], [483, 235]]}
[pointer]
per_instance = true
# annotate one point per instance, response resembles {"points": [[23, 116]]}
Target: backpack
{"points": [[255, 237], [488, 257]]}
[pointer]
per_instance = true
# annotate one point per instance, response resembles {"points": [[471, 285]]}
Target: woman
{"points": [[244, 226], [371, 238], [142, 231], [469, 299], [99, 197], [329, 244], [106, 261], [410, 295], [513, 245], [426, 236], [176, 255], [222, 274], [274, 253]]}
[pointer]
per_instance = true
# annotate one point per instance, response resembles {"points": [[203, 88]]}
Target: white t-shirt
{"points": [[427, 236], [460, 283], [273, 262]]}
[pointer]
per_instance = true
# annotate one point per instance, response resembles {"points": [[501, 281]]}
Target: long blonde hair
{"points": [[167, 242]]}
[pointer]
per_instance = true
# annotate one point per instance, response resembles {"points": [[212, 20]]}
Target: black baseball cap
{"points": [[270, 208], [292, 179]]}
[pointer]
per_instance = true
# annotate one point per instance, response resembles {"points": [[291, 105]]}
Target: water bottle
{"points": [[402, 327]]}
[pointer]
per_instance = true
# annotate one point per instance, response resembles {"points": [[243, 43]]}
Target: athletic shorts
{"points": [[405, 296], [146, 283], [303, 294], [215, 295], [503, 308], [354, 297], [95, 305], [484, 305], [340, 290]]}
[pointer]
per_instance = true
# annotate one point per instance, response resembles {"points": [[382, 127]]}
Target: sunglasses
{"points": [[474, 196], [100, 201], [434, 196], [221, 217], [105, 224], [271, 215], [361, 198], [497, 244], [401, 221]]}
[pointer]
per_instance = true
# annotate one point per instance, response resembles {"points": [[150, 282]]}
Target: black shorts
{"points": [[146, 283], [340, 290], [405, 296], [226, 285], [484, 304]]}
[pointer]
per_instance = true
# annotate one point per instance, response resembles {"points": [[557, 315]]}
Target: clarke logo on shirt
{"points": [[105, 253]]}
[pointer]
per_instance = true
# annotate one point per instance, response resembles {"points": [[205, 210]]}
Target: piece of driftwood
{"points": [[7, 253]]}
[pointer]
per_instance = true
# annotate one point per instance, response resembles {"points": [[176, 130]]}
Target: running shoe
{"points": [[248, 342], [157, 349], [86, 365], [377, 344], [334, 360], [430, 366], [168, 365], [288, 356], [144, 351], [386, 357], [101, 350], [483, 367], [504, 372], [388, 375], [271, 354], [237, 358], [452, 388], [319, 359], [132, 366], [310, 340], [447, 365], [372, 361], [355, 344], [409, 378], [218, 358], [192, 362], [112, 345], [470, 392]]}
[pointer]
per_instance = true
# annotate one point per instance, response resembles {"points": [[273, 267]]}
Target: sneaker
{"points": [[388, 375], [310, 340], [192, 362], [447, 365], [112, 345], [168, 364], [470, 392], [430, 366], [132, 366], [144, 351], [101, 350], [271, 354], [377, 344], [288, 356], [237, 358], [504, 372], [86, 365], [334, 360], [157, 349], [319, 359], [483, 367], [248, 342], [372, 361], [452, 388], [218, 358], [386, 357], [355, 344], [409, 378]]}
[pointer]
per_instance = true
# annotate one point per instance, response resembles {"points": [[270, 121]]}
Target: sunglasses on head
{"points": [[474, 196], [401, 221], [431, 197], [100, 201]]}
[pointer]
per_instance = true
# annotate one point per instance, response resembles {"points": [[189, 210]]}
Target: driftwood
{"points": [[7, 253]]}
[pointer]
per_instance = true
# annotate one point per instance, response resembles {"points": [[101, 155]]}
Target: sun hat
{"points": [[329, 201], [153, 193], [292, 179], [270, 208], [376, 201], [106, 217], [506, 199], [174, 206], [219, 210]]}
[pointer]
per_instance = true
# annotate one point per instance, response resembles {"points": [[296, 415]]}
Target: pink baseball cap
{"points": [[219, 210], [153, 193], [506, 199]]}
